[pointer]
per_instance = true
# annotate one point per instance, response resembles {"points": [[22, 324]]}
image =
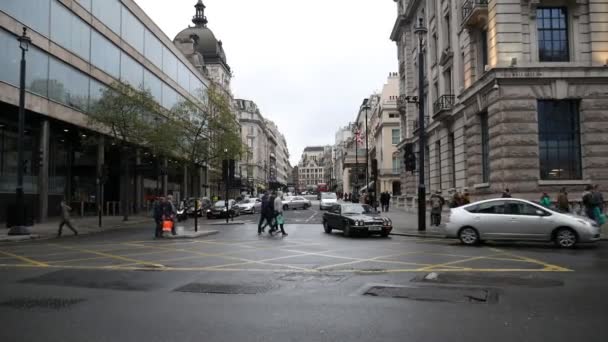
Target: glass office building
{"points": [[80, 47]]}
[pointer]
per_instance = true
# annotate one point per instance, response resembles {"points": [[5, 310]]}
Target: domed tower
{"points": [[199, 44]]}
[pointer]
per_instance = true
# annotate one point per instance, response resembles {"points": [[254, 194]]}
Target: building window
{"points": [[452, 146], [438, 163], [483, 37], [446, 32], [552, 25], [395, 136], [559, 139], [447, 79], [485, 148]]}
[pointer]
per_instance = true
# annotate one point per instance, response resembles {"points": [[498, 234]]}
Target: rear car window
{"points": [[494, 207]]}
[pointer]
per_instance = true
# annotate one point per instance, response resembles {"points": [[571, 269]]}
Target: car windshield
{"points": [[220, 204], [328, 195], [356, 209]]}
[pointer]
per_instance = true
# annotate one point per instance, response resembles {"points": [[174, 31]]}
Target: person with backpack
{"points": [[437, 203], [545, 200]]}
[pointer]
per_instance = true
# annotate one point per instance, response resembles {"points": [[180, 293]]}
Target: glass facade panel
{"points": [[395, 136], [131, 72], [67, 85], [33, 13], [69, 31], [169, 63], [108, 12], [37, 71], [559, 139], [132, 30], [96, 90], [183, 76], [10, 55], [169, 97], [105, 55], [154, 85], [153, 49], [86, 4]]}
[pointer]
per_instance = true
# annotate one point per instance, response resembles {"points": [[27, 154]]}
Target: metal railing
{"points": [[444, 102], [469, 5], [416, 124]]}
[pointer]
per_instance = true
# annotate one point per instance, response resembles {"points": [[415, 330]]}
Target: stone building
{"points": [[343, 136], [281, 169], [78, 49], [310, 168], [515, 95]]}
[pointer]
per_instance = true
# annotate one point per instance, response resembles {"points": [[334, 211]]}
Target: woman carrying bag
{"points": [[279, 220]]}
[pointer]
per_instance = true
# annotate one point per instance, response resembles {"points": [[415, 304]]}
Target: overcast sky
{"points": [[307, 64]]}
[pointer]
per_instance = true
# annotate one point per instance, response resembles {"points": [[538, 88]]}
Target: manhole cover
{"points": [[224, 288], [94, 279], [435, 294], [41, 303], [488, 280]]}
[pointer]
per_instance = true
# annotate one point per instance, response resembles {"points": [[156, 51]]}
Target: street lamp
{"points": [[421, 32], [227, 163], [20, 227]]}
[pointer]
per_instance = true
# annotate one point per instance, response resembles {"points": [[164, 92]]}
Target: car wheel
{"points": [[348, 230], [468, 236], [565, 238], [326, 227]]}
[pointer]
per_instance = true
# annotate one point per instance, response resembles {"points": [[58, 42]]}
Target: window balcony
{"points": [[474, 12], [443, 105], [395, 172], [416, 125]]}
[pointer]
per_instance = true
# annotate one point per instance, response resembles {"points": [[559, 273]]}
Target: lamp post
{"points": [[20, 225], [366, 107], [421, 31], [227, 163]]}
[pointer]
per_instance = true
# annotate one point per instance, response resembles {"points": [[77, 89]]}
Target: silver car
{"points": [[295, 202], [250, 205], [517, 219]]}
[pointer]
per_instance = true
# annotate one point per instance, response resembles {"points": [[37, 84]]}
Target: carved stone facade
{"points": [[487, 60]]}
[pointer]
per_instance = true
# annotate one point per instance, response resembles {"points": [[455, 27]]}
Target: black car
{"points": [[354, 218], [218, 210]]}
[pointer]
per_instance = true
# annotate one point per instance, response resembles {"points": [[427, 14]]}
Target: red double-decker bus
{"points": [[322, 187]]}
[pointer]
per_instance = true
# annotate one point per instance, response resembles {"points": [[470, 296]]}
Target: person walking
{"points": [[168, 213], [383, 201], [466, 198], [158, 217], [563, 204], [65, 219], [598, 201], [279, 220], [437, 202], [388, 201], [456, 200], [545, 200], [587, 199], [506, 193], [265, 213]]}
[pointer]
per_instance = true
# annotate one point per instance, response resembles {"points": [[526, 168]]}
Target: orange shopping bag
{"points": [[167, 225]]}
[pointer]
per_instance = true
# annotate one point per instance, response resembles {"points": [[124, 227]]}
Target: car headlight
{"points": [[208, 210], [224, 209]]}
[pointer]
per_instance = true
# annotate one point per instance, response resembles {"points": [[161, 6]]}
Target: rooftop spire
{"points": [[199, 18]]}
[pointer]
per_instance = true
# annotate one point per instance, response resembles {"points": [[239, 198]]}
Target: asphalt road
{"points": [[310, 286]]}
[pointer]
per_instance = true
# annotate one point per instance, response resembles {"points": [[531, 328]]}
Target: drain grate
{"points": [[224, 288], [52, 303], [435, 294]]}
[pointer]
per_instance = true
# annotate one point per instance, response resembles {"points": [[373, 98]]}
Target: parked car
{"points": [[250, 205], [295, 202], [518, 219], [203, 205], [328, 199], [354, 218], [218, 210]]}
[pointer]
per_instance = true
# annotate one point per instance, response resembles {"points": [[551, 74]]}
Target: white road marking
{"points": [[313, 216]]}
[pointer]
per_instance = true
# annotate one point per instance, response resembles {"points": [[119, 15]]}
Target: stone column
{"points": [[138, 182], [43, 173], [165, 177]]}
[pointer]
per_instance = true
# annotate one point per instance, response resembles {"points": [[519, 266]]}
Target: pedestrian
{"points": [[168, 212], [271, 212], [279, 220], [598, 210], [158, 217], [65, 219], [506, 193], [265, 213], [388, 201], [382, 200], [466, 198], [588, 202], [563, 204], [456, 200], [437, 202], [545, 200]]}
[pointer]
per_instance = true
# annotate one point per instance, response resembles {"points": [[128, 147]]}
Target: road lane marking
{"points": [[24, 259], [111, 256], [535, 261], [313, 216]]}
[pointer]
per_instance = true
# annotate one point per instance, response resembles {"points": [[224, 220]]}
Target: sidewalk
{"points": [[405, 223], [89, 225]]}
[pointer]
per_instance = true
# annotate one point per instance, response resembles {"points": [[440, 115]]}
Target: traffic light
{"points": [[409, 157]]}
